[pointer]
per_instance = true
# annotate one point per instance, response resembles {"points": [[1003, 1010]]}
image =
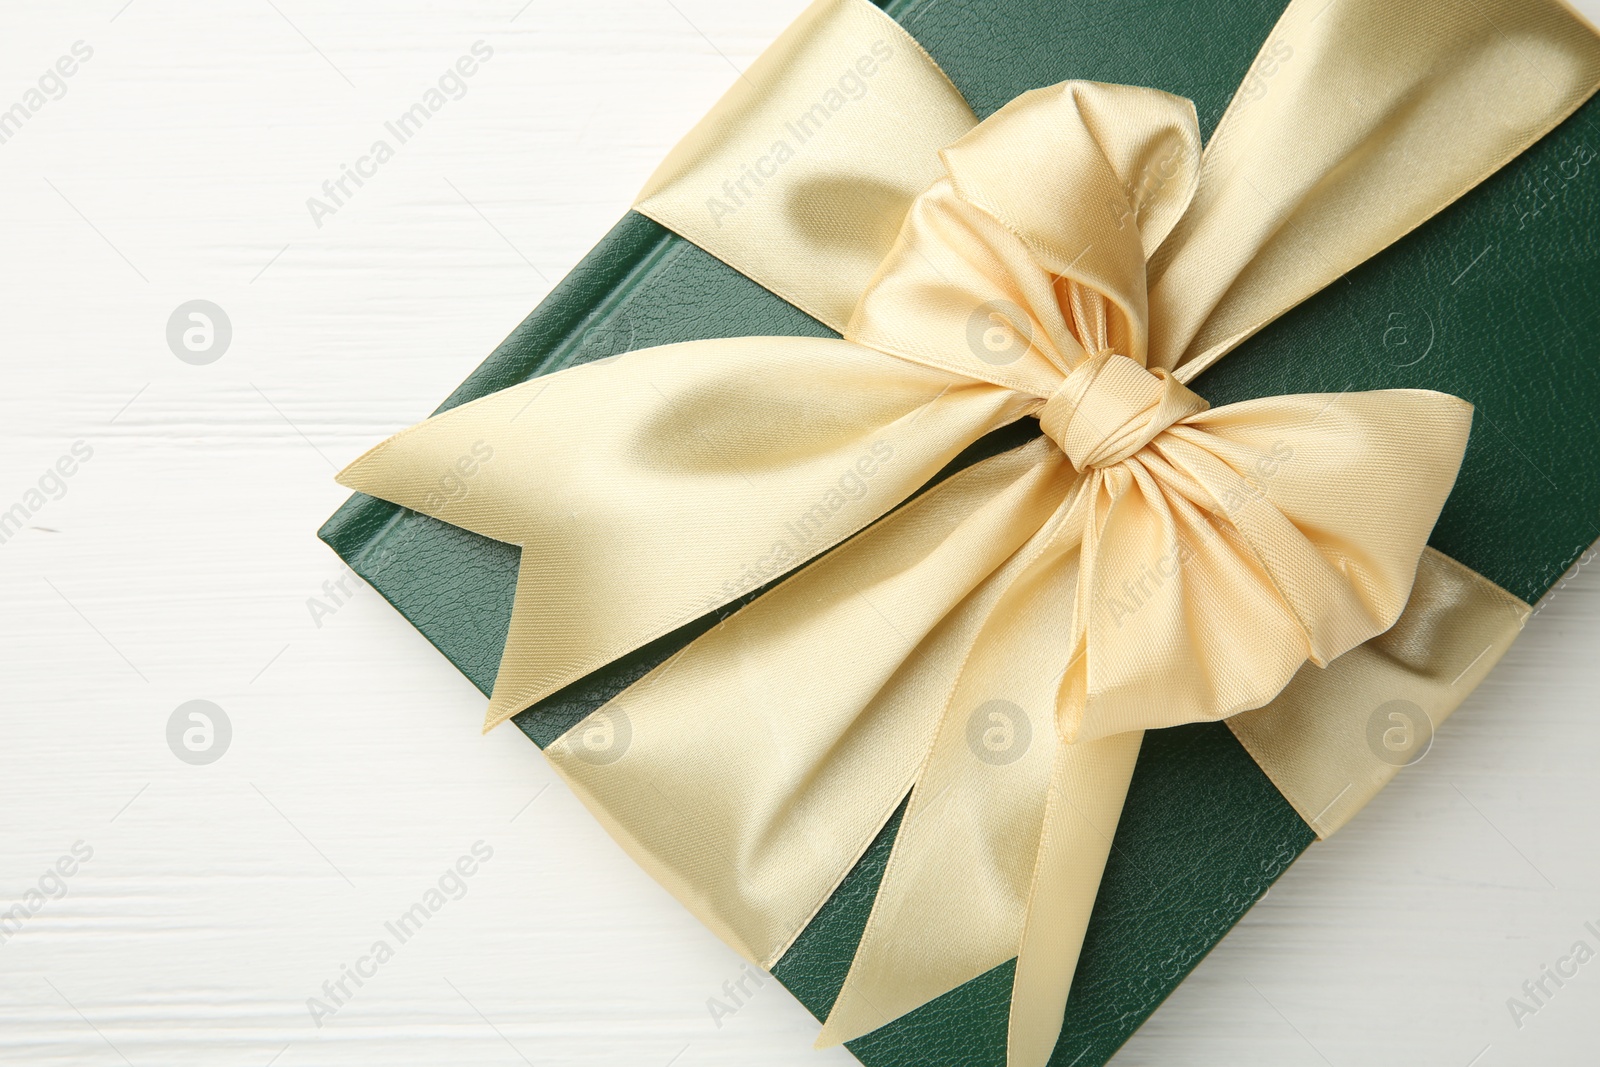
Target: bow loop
{"points": [[1304, 515], [996, 277], [1109, 407]]}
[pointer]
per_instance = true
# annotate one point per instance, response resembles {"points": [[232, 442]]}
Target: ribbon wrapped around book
{"points": [[996, 645]]}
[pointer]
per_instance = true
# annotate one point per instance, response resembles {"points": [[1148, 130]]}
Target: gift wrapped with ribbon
{"points": [[961, 557]]}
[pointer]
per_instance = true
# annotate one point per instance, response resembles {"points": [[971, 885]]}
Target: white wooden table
{"points": [[207, 903]]}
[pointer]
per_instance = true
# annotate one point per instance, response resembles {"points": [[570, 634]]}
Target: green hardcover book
{"points": [[1495, 300]]}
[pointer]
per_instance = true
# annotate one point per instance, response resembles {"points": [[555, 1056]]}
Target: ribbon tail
{"points": [[755, 767], [953, 899], [674, 480], [1088, 784]]}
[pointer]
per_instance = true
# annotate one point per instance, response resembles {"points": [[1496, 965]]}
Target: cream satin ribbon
{"points": [[997, 645]]}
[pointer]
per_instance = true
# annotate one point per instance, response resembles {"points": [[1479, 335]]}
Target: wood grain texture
{"points": [[177, 563]]}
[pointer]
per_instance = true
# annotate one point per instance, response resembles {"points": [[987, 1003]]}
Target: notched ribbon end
{"points": [[356, 475], [849, 1018], [500, 710]]}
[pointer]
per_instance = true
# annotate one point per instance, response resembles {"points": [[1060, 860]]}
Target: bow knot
{"points": [[1110, 407]]}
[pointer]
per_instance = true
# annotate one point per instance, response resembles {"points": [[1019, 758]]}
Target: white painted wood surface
{"points": [[179, 562]]}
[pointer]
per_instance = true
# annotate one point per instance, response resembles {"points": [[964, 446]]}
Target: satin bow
{"points": [[1213, 552], [996, 645]]}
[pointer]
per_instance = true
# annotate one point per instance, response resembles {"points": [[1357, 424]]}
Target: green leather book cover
{"points": [[1496, 300]]}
